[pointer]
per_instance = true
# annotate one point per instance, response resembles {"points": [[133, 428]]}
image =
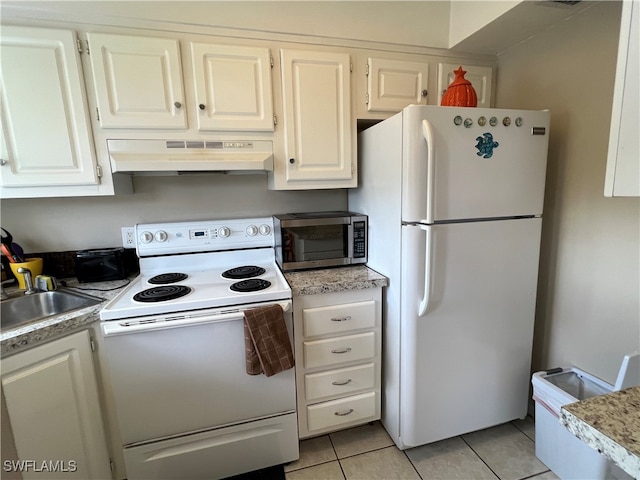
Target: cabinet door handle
{"points": [[201, 106], [3, 162], [343, 413], [341, 319], [344, 350], [178, 105], [344, 382]]}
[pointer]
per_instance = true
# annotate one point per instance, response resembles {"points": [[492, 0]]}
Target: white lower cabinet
{"points": [[338, 363], [338, 413], [51, 397], [318, 386]]}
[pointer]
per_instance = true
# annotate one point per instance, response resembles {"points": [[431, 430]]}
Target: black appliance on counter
{"points": [[101, 265]]}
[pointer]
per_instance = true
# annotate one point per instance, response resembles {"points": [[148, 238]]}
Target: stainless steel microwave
{"points": [[320, 239]]}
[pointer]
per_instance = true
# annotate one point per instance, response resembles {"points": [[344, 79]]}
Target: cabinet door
{"points": [[480, 77], [623, 159], [233, 87], [394, 84], [317, 111], [52, 399], [45, 128], [138, 81]]}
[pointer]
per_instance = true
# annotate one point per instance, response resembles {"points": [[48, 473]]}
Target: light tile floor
{"points": [[505, 452]]}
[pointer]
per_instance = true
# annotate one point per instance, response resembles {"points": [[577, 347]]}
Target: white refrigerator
{"points": [[454, 198]]}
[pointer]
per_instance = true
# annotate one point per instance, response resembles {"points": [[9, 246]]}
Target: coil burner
{"points": [[250, 285], [246, 271], [165, 278], [161, 293]]}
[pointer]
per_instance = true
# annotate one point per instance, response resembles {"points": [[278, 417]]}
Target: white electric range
{"points": [[174, 341]]}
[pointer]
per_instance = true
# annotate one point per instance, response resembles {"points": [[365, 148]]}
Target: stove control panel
{"points": [[203, 236]]}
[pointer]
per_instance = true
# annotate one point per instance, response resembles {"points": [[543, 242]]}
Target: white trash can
{"points": [[565, 454]]}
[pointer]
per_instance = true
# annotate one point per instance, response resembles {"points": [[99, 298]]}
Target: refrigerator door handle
{"points": [[427, 133], [426, 296]]}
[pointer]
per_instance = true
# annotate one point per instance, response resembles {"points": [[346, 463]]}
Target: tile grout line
{"points": [[331, 442], [534, 442], [412, 464], [478, 455], [344, 475], [492, 471]]}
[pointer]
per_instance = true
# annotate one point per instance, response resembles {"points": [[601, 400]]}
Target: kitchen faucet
{"points": [[28, 280]]}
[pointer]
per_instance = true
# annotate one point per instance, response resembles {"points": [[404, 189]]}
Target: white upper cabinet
{"points": [[232, 87], [144, 83], [481, 77], [46, 134], [138, 81], [623, 161], [394, 84], [319, 128]]}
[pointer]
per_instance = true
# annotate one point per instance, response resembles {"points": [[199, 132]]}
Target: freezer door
{"points": [[467, 163], [465, 363]]}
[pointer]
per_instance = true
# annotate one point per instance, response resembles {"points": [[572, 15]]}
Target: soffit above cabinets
{"points": [[509, 26]]}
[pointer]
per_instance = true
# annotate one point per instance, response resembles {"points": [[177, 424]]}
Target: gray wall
{"points": [[59, 224], [588, 310]]}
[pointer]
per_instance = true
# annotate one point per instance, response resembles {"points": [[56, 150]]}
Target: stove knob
{"points": [[161, 236], [252, 230], [265, 229], [146, 237], [224, 232]]}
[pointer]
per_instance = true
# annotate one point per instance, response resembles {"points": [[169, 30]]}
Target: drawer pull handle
{"points": [[343, 414], [344, 350], [341, 319], [344, 382]]}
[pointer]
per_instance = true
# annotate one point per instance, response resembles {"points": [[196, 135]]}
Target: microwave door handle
{"points": [[350, 241], [427, 133]]}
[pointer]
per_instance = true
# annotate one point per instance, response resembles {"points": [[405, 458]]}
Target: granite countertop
{"points": [[330, 280], [309, 282], [15, 339], [610, 424]]}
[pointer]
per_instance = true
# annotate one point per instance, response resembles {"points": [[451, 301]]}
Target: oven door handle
{"points": [[180, 319]]}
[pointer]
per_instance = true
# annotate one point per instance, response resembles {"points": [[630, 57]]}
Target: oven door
{"points": [[183, 373]]}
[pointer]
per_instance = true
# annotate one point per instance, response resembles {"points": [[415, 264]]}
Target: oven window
{"points": [[322, 242]]}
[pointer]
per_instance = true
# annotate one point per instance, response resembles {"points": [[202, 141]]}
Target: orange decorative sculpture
{"points": [[460, 93]]}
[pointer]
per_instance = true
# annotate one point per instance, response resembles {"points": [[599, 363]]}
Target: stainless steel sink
{"points": [[38, 306]]}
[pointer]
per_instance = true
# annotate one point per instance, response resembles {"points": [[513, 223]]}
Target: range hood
{"points": [[190, 155]]}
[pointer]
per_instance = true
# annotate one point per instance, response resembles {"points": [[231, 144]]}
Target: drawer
{"points": [[338, 318], [332, 351], [341, 412], [341, 381]]}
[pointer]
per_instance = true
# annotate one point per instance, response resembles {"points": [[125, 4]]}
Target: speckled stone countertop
{"points": [[329, 280], [14, 339], [610, 424], [302, 283]]}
